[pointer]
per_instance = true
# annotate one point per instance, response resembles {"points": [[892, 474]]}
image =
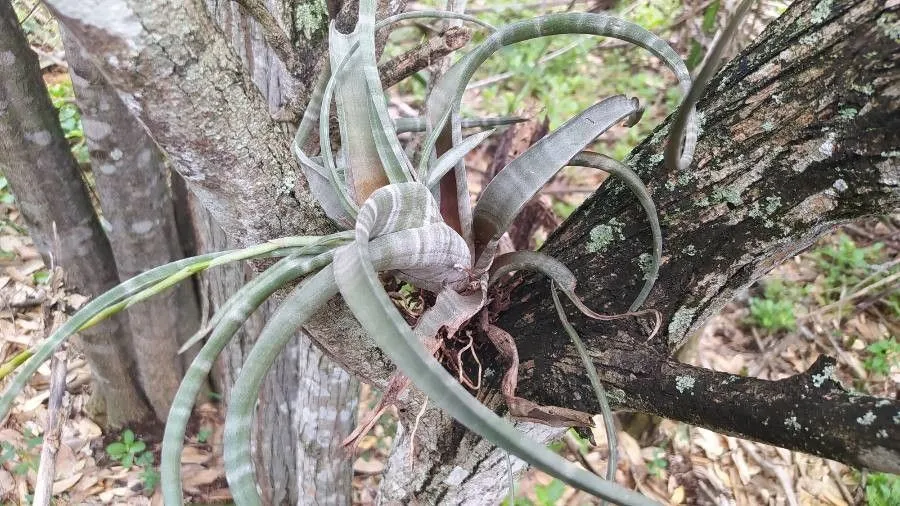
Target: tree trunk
{"points": [[57, 210], [781, 160], [131, 179]]}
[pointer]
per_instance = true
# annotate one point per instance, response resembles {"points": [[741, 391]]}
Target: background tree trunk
{"points": [[56, 207], [131, 178]]}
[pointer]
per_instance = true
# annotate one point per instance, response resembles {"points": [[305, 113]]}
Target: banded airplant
{"points": [[414, 221]]}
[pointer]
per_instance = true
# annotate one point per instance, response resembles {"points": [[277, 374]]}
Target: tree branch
{"points": [[400, 67], [799, 134]]}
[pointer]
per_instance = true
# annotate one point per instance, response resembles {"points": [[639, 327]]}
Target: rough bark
{"points": [[308, 403], [131, 178], [57, 210], [782, 159], [176, 72]]}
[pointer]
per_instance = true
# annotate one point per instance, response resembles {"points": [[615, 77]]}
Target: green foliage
{"points": [[883, 489], [774, 311], [41, 277], [23, 459], [130, 451], [203, 434], [885, 355], [658, 464], [772, 315], [126, 449], [63, 97], [849, 267], [845, 263], [6, 196]]}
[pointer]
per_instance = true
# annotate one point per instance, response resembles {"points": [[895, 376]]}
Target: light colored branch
{"points": [[56, 415]]}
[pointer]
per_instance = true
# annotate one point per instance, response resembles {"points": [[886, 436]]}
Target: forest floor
{"points": [[841, 298]]}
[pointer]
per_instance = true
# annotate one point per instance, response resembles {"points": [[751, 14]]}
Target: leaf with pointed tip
{"points": [[363, 293], [144, 285], [449, 90], [394, 160], [362, 169], [634, 183], [88, 312], [683, 124], [599, 391], [417, 123], [521, 179], [448, 160]]}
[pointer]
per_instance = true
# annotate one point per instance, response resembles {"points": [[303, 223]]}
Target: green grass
{"points": [[884, 355], [848, 267], [776, 309], [883, 489], [63, 97]]}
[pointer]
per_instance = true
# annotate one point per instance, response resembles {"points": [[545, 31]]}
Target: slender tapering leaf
{"points": [[448, 160], [434, 14], [235, 312], [417, 123], [359, 152], [394, 160], [450, 88], [518, 182], [608, 421]]}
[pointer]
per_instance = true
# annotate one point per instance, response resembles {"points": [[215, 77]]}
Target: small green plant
{"points": [[845, 263], [149, 475], [882, 489], [658, 464], [774, 311], [130, 451], [203, 434], [63, 97], [126, 449], [41, 277], [885, 354], [22, 459]]}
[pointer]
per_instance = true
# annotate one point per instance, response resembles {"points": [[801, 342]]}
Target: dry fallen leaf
{"points": [[194, 455], [202, 477], [368, 466], [63, 484], [677, 496]]}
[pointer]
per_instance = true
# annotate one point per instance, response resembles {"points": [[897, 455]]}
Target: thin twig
{"points": [[426, 54], [412, 435], [463, 378], [274, 35], [43, 488], [783, 478]]}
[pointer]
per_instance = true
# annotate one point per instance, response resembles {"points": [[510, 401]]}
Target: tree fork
{"points": [[800, 134]]}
